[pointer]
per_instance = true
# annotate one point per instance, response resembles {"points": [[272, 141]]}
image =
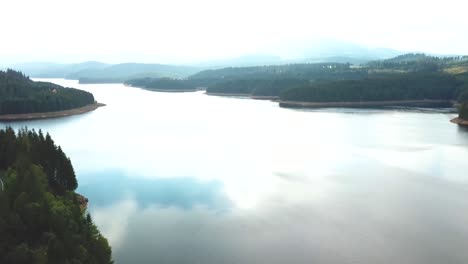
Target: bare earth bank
{"points": [[44, 115]]}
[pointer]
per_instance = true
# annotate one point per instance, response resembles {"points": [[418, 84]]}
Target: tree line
{"points": [[19, 95], [305, 71], [271, 87], [40, 216], [391, 87], [162, 84], [417, 62]]}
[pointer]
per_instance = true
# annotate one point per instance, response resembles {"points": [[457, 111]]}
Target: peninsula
{"points": [[24, 99]]}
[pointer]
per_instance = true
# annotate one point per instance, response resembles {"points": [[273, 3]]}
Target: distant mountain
{"points": [[127, 71], [98, 72], [309, 52], [56, 70], [324, 51], [315, 51], [411, 57], [339, 59], [243, 61]]}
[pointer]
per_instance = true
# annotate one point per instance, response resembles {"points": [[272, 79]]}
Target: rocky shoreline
{"points": [[459, 121]]}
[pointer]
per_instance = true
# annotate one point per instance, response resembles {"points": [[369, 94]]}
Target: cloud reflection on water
{"points": [[201, 179], [382, 216]]}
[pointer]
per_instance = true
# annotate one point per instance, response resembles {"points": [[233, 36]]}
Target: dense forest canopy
{"points": [[312, 71], [19, 94], [401, 78], [271, 80], [392, 87], [162, 84], [40, 217], [463, 110], [255, 87], [417, 62]]}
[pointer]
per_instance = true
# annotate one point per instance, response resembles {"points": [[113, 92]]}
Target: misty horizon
{"points": [[182, 32]]}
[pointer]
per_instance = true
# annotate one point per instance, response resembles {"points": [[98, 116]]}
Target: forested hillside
{"points": [[271, 80], [405, 77], [416, 62], [40, 217], [392, 87], [255, 87], [19, 94], [312, 71], [162, 84]]}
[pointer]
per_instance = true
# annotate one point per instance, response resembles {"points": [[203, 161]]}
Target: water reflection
{"points": [[385, 215], [104, 188], [190, 178]]}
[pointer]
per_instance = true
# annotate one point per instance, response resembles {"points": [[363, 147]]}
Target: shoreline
{"points": [[170, 90], [297, 104], [46, 115], [265, 97], [229, 94], [244, 96], [459, 121]]}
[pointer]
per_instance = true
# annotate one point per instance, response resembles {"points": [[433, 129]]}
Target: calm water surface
{"points": [[191, 178]]}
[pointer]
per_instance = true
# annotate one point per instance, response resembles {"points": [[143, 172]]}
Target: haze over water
{"points": [[191, 178]]}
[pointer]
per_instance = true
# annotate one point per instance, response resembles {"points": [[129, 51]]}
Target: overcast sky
{"points": [[185, 31]]}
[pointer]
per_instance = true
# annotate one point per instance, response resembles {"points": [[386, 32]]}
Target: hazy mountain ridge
{"points": [[306, 52], [330, 51], [56, 70], [129, 70], [104, 72]]}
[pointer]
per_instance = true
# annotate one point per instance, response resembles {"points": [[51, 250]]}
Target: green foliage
{"points": [[463, 78], [313, 71], [39, 224], [32, 147], [162, 84], [392, 87], [272, 80], [463, 111], [415, 62], [255, 87], [276, 79], [19, 94], [463, 97]]}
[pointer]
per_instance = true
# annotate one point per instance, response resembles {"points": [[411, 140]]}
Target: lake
{"points": [[190, 178]]}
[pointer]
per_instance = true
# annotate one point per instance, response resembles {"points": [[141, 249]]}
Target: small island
{"points": [[23, 99]]}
